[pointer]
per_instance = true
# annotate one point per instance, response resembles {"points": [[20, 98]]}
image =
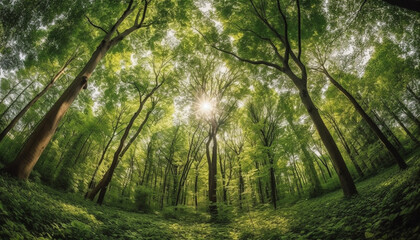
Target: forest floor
{"points": [[387, 207]]}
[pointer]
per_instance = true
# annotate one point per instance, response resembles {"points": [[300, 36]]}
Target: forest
{"points": [[209, 119]]}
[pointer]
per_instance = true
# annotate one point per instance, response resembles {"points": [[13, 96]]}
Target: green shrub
{"points": [[141, 197]]}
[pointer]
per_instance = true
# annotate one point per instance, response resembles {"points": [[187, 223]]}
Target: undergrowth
{"points": [[387, 207]]}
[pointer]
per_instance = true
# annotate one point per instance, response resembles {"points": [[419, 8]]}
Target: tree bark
{"points": [[23, 164], [343, 173], [397, 157]]}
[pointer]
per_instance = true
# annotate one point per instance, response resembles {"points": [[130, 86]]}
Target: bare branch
{"points": [[96, 26], [255, 62], [265, 39]]}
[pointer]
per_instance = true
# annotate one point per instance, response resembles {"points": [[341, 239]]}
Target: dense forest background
{"points": [[288, 119]]}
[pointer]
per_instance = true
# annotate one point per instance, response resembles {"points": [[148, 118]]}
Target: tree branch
{"points": [[96, 26], [299, 30]]}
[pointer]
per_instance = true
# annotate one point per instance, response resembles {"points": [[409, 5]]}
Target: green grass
{"points": [[387, 207]]}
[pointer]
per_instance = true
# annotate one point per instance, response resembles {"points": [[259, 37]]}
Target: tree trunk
{"points": [[307, 161], [9, 92], [14, 101], [213, 173], [346, 146], [343, 173], [388, 130], [409, 114], [370, 122], [410, 90], [273, 186], [241, 186], [23, 164], [100, 162], [196, 189], [406, 130], [34, 100]]}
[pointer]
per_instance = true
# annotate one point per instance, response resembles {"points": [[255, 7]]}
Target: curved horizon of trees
{"points": [[168, 103]]}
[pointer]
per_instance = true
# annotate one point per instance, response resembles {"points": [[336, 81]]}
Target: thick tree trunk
{"points": [[23, 164], [343, 173], [370, 122], [34, 100]]}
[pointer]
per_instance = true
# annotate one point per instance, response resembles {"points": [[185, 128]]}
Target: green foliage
{"points": [[142, 199], [30, 210]]}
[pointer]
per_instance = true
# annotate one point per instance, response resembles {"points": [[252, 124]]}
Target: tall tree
{"points": [[23, 164], [262, 29], [35, 99]]}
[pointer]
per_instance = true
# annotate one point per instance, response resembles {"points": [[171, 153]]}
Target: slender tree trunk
{"points": [[241, 186], [91, 185], [259, 184], [223, 173], [9, 92], [273, 186], [196, 190], [81, 149], [14, 101], [307, 161], [346, 146], [410, 90], [213, 179], [119, 153], [406, 130], [34, 100], [164, 187], [397, 157], [388, 130], [322, 171], [409, 114]]}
